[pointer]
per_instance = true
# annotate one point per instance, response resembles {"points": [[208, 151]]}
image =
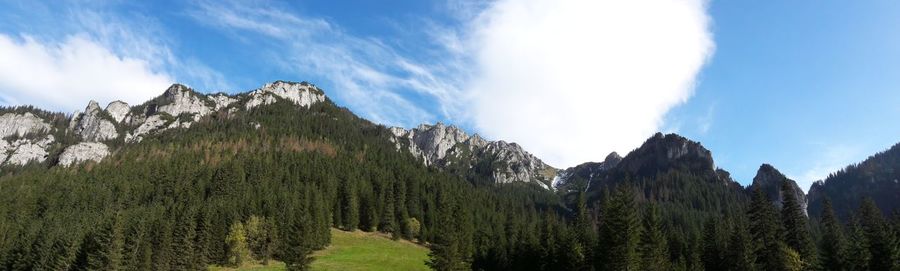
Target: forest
{"points": [[270, 183]]}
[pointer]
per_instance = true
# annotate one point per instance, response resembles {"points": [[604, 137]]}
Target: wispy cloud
{"points": [[569, 80], [829, 159], [72, 53], [368, 75]]}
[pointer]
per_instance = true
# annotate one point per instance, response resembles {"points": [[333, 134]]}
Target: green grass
{"points": [[369, 251], [357, 251]]}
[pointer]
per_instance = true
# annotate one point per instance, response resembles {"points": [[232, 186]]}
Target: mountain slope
{"points": [[876, 177]]}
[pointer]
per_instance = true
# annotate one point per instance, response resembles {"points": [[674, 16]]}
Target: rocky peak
{"points": [[770, 180], [661, 153], [92, 126], [118, 110], [440, 145], [581, 175], [179, 99], [302, 94], [22, 124]]}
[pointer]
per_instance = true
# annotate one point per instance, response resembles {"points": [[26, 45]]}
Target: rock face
{"points": [[92, 126], [84, 151], [180, 99], [770, 181], [580, 176], [450, 148], [24, 150], [118, 110], [21, 124], [302, 94]]}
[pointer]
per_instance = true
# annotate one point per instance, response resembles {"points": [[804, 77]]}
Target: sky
{"points": [[807, 86]]}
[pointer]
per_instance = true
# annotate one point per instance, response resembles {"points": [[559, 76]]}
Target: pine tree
{"points": [[295, 249], [586, 235], [106, 245], [653, 247], [183, 242], [238, 253], [388, 217], [858, 253], [796, 227], [764, 229], [879, 238], [832, 256], [619, 232], [713, 245], [447, 251], [350, 206], [202, 239], [739, 255]]}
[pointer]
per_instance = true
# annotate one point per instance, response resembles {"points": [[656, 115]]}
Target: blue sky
{"points": [[808, 86]]}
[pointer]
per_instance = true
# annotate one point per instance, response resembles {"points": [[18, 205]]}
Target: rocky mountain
{"points": [[878, 178], [770, 181], [450, 148], [580, 176], [96, 132], [91, 134]]}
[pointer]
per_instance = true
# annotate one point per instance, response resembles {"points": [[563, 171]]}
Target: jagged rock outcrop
{"points": [[580, 176], [84, 151], [302, 94], [22, 151], [21, 124], [118, 110], [770, 180], [448, 147], [92, 124], [221, 101], [180, 99], [152, 123]]}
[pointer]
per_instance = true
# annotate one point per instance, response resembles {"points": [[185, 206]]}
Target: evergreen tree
{"points": [[619, 232], [858, 254], [350, 206], [202, 239], [796, 227], [713, 245], [586, 235], [295, 249], [106, 246], [764, 229], [447, 251], [739, 255], [653, 247], [183, 243], [880, 239], [832, 255]]}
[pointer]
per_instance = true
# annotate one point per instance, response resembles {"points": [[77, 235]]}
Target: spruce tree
{"points": [[183, 238], [619, 232], [713, 245], [653, 247], [879, 237], [833, 252], [739, 255], [106, 246], [764, 229], [295, 248], [859, 255], [796, 226]]}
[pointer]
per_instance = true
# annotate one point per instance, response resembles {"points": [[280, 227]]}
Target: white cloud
{"points": [[65, 75], [573, 80], [71, 53], [367, 75]]}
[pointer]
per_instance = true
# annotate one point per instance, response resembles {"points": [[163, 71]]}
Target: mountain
{"points": [[876, 177], [578, 177], [770, 181], [481, 161], [96, 131]]}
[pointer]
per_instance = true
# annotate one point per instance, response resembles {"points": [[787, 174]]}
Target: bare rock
{"points": [[301, 94], [152, 123], [92, 126], [118, 110], [183, 100], [22, 124], [84, 151]]}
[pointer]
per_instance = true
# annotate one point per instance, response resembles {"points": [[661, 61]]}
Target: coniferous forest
{"points": [[269, 184]]}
